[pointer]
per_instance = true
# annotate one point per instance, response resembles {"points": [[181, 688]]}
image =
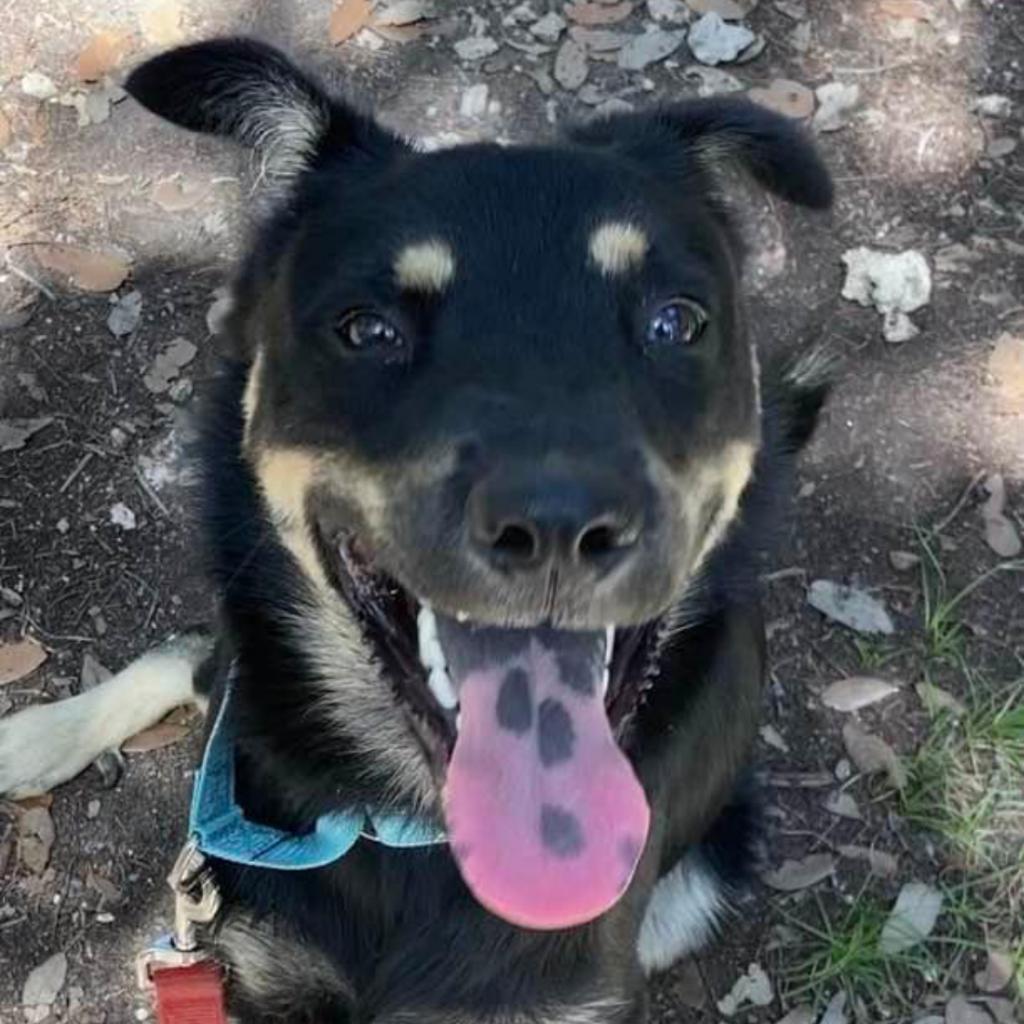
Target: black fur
{"points": [[530, 352]]}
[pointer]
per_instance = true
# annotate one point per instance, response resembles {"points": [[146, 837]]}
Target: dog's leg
{"points": [[682, 914], [45, 745]]}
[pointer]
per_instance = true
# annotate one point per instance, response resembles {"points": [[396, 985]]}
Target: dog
{"points": [[487, 474]]}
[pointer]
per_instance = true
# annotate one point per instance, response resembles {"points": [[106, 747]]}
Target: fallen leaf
{"points": [[85, 268], [998, 972], [164, 734], [570, 69], [125, 314], [850, 607], [753, 51], [399, 13], [19, 659], [599, 40], [168, 364], [1006, 366], [728, 10], [549, 28], [42, 986], [856, 692], [1001, 147], [835, 100], [653, 46], [802, 1014], [161, 23], [800, 37], [44, 800], [1002, 1010], [935, 698], [474, 100], [36, 835], [476, 47], [752, 988], [688, 985], [121, 515], [795, 10], [101, 55], [835, 1011], [348, 18], [791, 99], [872, 754], [918, 10], [176, 194], [773, 738], [598, 14], [1000, 533], [15, 433], [902, 561], [712, 81], [960, 1011], [883, 864], [843, 805], [5, 130], [713, 41], [911, 919], [993, 105], [793, 875]]}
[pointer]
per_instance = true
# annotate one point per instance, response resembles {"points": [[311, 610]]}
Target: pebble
{"points": [[548, 28], [38, 86], [92, 810], [649, 48], [476, 47], [474, 100], [714, 41]]}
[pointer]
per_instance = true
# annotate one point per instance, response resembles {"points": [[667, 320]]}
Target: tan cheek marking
{"points": [[617, 246], [251, 395], [727, 475], [286, 476], [425, 266]]}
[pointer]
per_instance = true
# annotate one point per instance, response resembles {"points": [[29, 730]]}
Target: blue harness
{"points": [[221, 830]]}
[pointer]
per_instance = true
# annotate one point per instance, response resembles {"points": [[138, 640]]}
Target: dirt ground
{"points": [[98, 553]]}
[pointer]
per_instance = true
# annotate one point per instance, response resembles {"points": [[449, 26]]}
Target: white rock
{"points": [[474, 100], [714, 41], [752, 988], [476, 47], [121, 515], [834, 100], [674, 11], [38, 86], [894, 283], [654, 45], [125, 315], [992, 105], [548, 28]]}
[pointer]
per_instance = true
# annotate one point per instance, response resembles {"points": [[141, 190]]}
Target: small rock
{"points": [[800, 37], [752, 988], [11, 597], [894, 283], [42, 987], [654, 45], [730, 10], [599, 40], [168, 364], [994, 105], [773, 738], [549, 28], [842, 805], [843, 769], [712, 81], [903, 561], [38, 86], [673, 11], [181, 390], [92, 810], [121, 515], [850, 607], [63, 525], [570, 65], [835, 100], [476, 47], [105, 917], [403, 12], [126, 314], [714, 41], [1001, 147], [474, 100], [912, 918]]}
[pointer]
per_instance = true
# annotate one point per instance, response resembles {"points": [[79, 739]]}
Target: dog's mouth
{"points": [[545, 816]]}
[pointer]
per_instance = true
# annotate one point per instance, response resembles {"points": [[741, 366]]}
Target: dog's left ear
{"points": [[253, 93], [692, 137]]}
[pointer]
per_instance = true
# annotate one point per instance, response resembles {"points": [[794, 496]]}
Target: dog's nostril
{"points": [[517, 542], [602, 539]]}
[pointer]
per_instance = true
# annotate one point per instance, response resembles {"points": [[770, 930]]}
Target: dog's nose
{"points": [[582, 525]]}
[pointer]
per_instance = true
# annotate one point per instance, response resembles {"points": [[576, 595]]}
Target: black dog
{"points": [[486, 484]]}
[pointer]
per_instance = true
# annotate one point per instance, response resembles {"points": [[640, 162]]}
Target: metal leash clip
{"points": [[196, 901]]}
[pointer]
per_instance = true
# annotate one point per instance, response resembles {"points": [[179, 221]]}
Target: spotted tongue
{"points": [[546, 819]]}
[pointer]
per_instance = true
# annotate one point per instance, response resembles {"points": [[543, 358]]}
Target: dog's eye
{"points": [[364, 331], [679, 322]]}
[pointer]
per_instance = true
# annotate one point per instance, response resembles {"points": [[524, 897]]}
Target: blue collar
{"points": [[221, 830]]}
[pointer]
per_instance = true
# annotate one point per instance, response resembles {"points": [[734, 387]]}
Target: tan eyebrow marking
{"points": [[427, 266], [617, 246]]}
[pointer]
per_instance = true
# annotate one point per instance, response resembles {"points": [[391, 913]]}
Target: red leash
{"points": [[189, 995]]}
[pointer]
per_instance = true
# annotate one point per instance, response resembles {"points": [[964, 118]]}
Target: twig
{"points": [[73, 475], [27, 277], [151, 494], [880, 69], [961, 501], [783, 574]]}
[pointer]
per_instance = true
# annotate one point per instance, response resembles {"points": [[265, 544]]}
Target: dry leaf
{"points": [[347, 18], [19, 659], [35, 839], [802, 1014], [751, 989], [872, 754], [849, 606], [919, 10], [42, 986], [911, 919], [1000, 533], [598, 14], [402, 13], [997, 973], [856, 692], [793, 875], [902, 561], [164, 734], [1006, 366], [39, 800], [883, 864], [728, 10], [86, 269], [935, 698], [570, 65], [960, 1011], [791, 99], [161, 23], [101, 55], [177, 193], [15, 433], [5, 130], [843, 805]]}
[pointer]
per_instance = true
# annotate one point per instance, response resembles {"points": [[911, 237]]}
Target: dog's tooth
{"points": [[440, 684], [609, 644], [461, 616]]}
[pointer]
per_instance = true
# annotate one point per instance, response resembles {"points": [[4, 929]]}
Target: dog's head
{"points": [[502, 404]]}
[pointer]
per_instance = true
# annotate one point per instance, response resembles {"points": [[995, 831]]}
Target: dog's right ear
{"points": [[254, 94]]}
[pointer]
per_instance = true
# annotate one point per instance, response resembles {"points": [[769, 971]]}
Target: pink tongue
{"points": [[546, 819]]}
